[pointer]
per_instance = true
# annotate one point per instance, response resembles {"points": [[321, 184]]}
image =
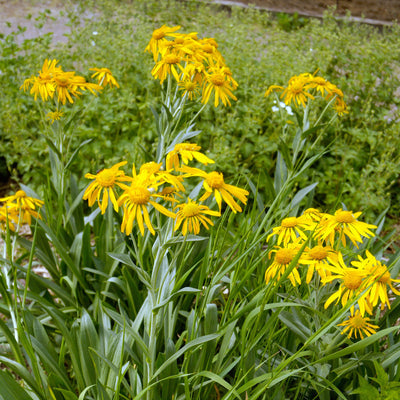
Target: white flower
{"points": [[275, 108], [289, 110], [95, 33]]}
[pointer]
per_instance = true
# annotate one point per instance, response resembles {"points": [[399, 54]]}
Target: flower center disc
{"points": [[139, 195], [171, 59], [357, 321], [290, 222], [215, 180], [191, 209], [318, 253], [217, 79], [20, 193], [344, 217], [158, 34], [352, 280], [105, 178], [384, 275], [284, 256]]}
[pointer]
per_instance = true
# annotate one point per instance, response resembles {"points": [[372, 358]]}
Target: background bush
{"points": [[362, 166]]}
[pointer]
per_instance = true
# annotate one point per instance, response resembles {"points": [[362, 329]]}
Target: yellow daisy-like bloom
{"points": [[43, 84], [54, 116], [191, 215], [218, 83], [282, 259], [166, 66], [345, 224], [21, 200], [290, 229], [357, 324], [19, 208], [317, 258], [321, 85], [7, 217], [68, 85], [104, 77], [187, 152], [158, 37], [296, 91], [135, 200], [104, 182], [214, 183], [313, 214], [190, 88], [340, 107], [353, 282], [154, 169], [379, 279]]}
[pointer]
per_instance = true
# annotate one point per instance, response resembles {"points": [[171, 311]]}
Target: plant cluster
{"points": [[148, 295]]}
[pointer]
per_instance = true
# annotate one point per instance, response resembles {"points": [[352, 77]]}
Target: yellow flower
{"points": [[340, 107], [379, 280], [321, 85], [104, 182], [296, 91], [54, 115], [290, 229], [190, 88], [187, 151], [154, 169], [218, 83], [167, 65], [104, 77], [158, 37], [353, 282], [317, 258], [283, 258], [214, 182], [345, 224], [19, 208], [358, 324], [20, 199], [191, 214], [8, 216], [68, 84], [43, 84], [313, 214], [136, 198]]}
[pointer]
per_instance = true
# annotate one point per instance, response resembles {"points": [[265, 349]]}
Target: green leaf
{"points": [[75, 153], [10, 389]]}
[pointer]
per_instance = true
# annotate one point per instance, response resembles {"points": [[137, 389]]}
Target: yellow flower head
{"points": [[291, 228], [187, 152], [317, 258], [158, 37], [43, 84], [340, 107], [135, 200], [54, 115], [190, 88], [191, 215], [214, 183], [168, 65], [296, 91], [19, 208], [104, 77], [344, 223], [104, 182], [352, 283], [379, 280], [358, 324], [218, 83], [282, 259]]}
